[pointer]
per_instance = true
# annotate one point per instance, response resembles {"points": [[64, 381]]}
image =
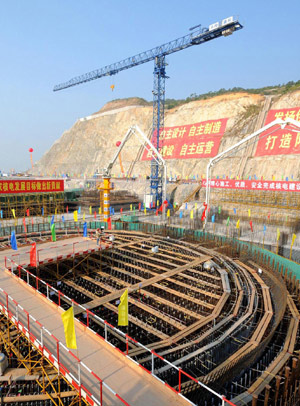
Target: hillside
{"points": [[91, 142]]}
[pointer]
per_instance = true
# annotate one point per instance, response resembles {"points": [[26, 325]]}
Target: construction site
{"points": [[189, 219]]}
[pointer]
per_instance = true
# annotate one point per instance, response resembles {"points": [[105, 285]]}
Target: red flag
{"points": [[139, 206], [27, 212], [153, 205], [67, 209], [269, 214], [161, 208], [204, 211], [32, 221], [109, 223], [95, 214], [251, 225], [156, 212], [24, 224], [121, 210], [33, 255]]}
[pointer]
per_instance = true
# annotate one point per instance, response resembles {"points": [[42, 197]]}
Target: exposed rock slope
{"points": [[91, 142]]}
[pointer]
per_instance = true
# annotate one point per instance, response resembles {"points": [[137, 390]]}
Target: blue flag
{"points": [[265, 229], [85, 229], [52, 220], [79, 209], [13, 241], [112, 210], [180, 214], [234, 210], [213, 218], [186, 206], [42, 211], [63, 218], [1, 212]]}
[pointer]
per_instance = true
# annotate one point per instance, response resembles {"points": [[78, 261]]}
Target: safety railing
{"points": [[72, 368], [57, 251], [106, 331]]}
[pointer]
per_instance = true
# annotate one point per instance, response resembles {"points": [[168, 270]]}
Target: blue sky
{"points": [[44, 43]]}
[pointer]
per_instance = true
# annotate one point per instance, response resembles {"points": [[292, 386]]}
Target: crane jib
{"points": [[196, 37]]}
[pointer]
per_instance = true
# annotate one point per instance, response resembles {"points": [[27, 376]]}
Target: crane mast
{"points": [[197, 36]]}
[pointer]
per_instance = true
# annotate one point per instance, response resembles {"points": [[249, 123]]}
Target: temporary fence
{"points": [[108, 332], [280, 262]]}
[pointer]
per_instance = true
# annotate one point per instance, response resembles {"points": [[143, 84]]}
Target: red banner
{"points": [[279, 186], [280, 142], [30, 186], [199, 140]]}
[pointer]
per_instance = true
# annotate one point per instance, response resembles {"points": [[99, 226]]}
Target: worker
{"points": [[98, 234]]}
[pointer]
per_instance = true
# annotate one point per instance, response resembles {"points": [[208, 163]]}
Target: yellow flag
{"points": [[278, 234], [249, 212], [83, 217], [75, 215], [123, 310], [14, 213], [68, 321], [293, 239], [90, 209], [192, 214], [55, 210], [145, 210], [100, 211], [157, 203], [131, 207], [238, 224], [273, 177], [168, 213]]}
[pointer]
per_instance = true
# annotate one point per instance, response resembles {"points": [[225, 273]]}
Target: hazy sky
{"points": [[43, 43]]}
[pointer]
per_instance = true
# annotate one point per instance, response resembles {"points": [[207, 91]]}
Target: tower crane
{"points": [[198, 35]]}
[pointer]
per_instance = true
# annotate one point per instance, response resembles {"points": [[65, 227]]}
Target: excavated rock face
{"points": [[91, 142]]}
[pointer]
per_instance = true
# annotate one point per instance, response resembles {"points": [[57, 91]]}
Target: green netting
{"points": [[268, 257]]}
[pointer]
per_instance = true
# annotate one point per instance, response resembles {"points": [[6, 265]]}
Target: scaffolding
{"points": [[42, 382], [261, 198], [38, 204]]}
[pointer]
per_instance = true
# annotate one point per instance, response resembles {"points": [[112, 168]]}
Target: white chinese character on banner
{"points": [[292, 186]]}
